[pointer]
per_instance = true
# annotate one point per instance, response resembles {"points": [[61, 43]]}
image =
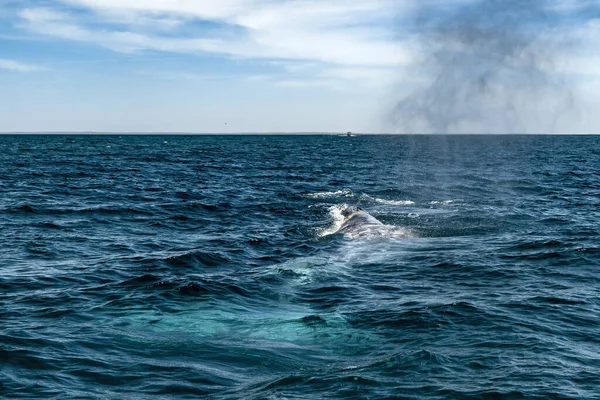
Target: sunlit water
{"points": [[183, 266]]}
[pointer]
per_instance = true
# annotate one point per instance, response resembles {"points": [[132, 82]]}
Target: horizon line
{"points": [[273, 133]]}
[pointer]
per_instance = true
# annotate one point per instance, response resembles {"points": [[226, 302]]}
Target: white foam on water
{"points": [[355, 254], [395, 202], [337, 220], [380, 231], [442, 202], [329, 195], [388, 202]]}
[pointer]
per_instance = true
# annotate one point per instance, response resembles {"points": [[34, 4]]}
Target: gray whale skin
{"points": [[356, 220]]}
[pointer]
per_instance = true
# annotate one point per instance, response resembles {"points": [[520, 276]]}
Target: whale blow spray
{"points": [[487, 66]]}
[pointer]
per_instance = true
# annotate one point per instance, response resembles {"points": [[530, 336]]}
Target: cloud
{"points": [[337, 32], [16, 66], [62, 25]]}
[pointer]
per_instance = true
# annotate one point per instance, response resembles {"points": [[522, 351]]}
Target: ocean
{"points": [[183, 267]]}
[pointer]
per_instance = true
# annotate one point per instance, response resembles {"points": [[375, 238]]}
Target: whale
{"points": [[358, 222], [354, 222]]}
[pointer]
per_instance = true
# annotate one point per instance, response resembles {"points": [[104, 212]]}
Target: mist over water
{"points": [[489, 66]]}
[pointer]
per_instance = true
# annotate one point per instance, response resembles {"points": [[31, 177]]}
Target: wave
{"points": [[106, 209], [183, 259]]}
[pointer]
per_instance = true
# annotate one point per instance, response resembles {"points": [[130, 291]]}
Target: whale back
{"points": [[357, 219]]}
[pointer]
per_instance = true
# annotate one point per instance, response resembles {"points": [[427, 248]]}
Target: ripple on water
{"points": [[209, 266]]}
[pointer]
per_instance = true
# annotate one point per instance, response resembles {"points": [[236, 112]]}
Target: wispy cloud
{"points": [[16, 66], [340, 32], [63, 25]]}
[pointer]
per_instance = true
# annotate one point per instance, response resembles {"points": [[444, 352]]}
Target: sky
{"points": [[228, 66]]}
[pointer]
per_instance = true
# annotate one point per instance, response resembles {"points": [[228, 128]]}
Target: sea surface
{"points": [[183, 267]]}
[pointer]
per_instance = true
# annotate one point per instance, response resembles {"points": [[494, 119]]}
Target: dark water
{"points": [[182, 267]]}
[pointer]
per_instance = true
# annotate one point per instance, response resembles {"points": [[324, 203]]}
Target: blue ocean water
{"points": [[208, 266]]}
